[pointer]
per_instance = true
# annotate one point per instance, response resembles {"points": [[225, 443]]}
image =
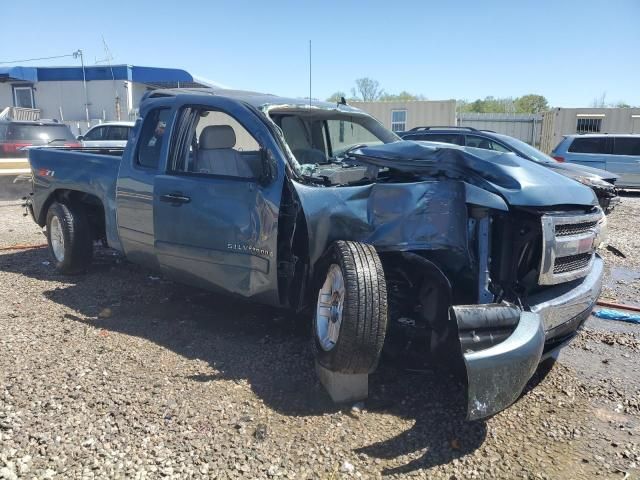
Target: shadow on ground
{"points": [[260, 345]]}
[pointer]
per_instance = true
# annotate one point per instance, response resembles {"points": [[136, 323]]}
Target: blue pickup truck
{"points": [[479, 260]]}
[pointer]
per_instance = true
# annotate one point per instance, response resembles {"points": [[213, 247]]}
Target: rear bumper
{"points": [[496, 376]]}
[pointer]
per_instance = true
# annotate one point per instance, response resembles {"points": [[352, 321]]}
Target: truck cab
{"points": [[467, 257]]}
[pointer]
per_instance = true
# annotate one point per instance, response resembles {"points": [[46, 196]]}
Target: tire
{"points": [[350, 323], [69, 237]]}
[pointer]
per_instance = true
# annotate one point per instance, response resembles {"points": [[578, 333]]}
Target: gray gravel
{"points": [[119, 374]]}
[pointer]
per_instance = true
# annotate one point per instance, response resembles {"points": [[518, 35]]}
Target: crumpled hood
{"points": [[520, 182]]}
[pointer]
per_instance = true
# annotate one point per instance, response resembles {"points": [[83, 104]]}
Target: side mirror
{"points": [[80, 138]]}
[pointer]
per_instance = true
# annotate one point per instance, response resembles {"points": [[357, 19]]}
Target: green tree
{"points": [[403, 96], [531, 103]]}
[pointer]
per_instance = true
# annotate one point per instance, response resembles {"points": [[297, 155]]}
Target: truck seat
{"points": [[216, 154]]}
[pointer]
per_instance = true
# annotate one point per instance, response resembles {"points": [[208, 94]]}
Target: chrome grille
{"points": [[572, 262], [573, 229], [568, 245]]}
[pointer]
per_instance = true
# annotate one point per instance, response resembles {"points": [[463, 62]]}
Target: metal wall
{"points": [[526, 127], [564, 121], [419, 112], [64, 100]]}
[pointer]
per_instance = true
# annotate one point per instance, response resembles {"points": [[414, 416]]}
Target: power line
{"points": [[37, 59]]}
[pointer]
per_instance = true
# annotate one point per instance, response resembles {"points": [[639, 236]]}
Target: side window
{"points": [[589, 145], [485, 144], [626, 146], [118, 132], [151, 138], [95, 134], [440, 137], [211, 142]]}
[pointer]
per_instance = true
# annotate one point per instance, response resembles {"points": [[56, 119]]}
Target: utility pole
{"points": [[77, 54]]}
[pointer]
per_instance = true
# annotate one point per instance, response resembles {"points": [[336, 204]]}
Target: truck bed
{"points": [[81, 170]]}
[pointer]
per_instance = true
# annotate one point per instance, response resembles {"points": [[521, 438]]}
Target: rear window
{"points": [[39, 133], [589, 145], [626, 146]]}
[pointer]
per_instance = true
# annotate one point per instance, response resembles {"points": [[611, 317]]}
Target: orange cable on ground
{"points": [[23, 247], [632, 308]]}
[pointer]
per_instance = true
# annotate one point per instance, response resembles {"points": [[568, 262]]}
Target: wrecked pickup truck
{"points": [[483, 261]]}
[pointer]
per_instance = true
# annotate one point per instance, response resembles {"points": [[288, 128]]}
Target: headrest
{"points": [[217, 136]]}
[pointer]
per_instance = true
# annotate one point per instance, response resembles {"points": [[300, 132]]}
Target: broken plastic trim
{"points": [[497, 375]]}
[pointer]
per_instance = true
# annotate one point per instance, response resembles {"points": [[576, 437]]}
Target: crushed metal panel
{"points": [[390, 216]]}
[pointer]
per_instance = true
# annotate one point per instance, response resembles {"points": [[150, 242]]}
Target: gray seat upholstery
{"points": [[216, 155]]}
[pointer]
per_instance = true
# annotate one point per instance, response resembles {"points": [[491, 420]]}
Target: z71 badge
{"points": [[241, 247]]}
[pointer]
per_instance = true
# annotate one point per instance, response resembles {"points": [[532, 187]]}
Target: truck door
{"points": [[140, 164], [216, 205]]}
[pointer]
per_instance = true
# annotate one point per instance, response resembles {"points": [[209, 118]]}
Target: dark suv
{"points": [[601, 181], [16, 134]]}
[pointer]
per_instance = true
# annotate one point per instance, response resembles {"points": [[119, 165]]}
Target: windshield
{"points": [[531, 152], [321, 136]]}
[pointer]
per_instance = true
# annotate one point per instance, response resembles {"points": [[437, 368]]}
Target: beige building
{"points": [[568, 121], [402, 116]]}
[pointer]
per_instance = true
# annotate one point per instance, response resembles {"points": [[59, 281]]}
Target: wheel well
{"points": [[92, 205]]}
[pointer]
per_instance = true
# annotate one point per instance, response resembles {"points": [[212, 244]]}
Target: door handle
{"points": [[175, 198]]}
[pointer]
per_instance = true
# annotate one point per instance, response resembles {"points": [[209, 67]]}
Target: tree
{"points": [[368, 89], [531, 103], [336, 96], [601, 101], [403, 96], [622, 104]]}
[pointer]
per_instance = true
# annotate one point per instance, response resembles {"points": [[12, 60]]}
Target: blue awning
{"points": [[12, 74], [148, 75]]}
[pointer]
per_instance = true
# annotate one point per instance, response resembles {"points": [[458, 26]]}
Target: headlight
{"points": [[601, 233], [593, 182]]}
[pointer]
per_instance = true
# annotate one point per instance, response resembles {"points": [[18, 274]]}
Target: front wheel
{"points": [[69, 237], [350, 321]]}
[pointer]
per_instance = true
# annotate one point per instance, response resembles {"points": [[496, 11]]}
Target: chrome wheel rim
{"points": [[57, 239], [329, 309]]}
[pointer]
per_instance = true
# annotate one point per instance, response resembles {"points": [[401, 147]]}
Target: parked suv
{"points": [[619, 154], [109, 134], [15, 135], [601, 181]]}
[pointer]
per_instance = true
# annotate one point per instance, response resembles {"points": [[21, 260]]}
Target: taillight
{"points": [[13, 147], [559, 159], [72, 144]]}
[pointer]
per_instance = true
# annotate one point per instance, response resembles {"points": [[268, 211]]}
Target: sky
{"points": [[569, 51]]}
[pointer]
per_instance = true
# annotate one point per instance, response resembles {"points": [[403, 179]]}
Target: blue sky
{"points": [[569, 51]]}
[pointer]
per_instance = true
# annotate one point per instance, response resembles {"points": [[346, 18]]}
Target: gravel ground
{"points": [[119, 374]]}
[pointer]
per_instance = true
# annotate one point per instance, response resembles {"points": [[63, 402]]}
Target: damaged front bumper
{"points": [[499, 359]]}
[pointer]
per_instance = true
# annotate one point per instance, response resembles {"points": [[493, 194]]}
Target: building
{"points": [[568, 121], [85, 96], [401, 116]]}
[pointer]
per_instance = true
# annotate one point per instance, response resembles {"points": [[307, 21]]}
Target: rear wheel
{"points": [[69, 237], [350, 321]]}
